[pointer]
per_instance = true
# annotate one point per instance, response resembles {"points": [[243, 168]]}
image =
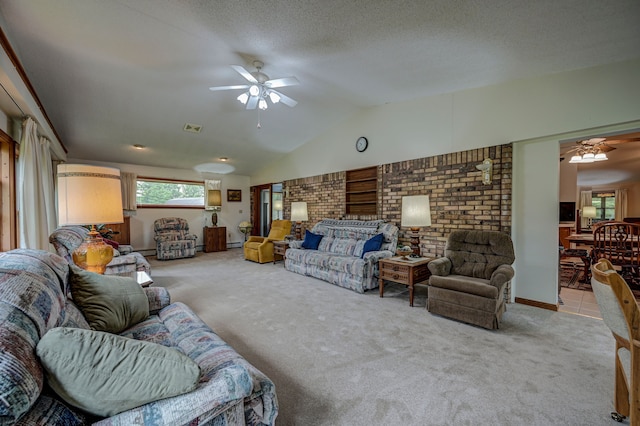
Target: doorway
{"points": [[267, 202]]}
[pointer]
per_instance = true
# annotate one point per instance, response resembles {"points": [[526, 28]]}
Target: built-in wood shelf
{"points": [[362, 191]]}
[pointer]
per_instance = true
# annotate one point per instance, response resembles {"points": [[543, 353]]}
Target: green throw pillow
{"points": [[106, 374], [108, 302]]}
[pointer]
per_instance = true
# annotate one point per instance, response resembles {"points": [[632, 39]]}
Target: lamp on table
{"points": [[214, 202], [416, 214], [590, 213], [298, 215], [90, 195]]}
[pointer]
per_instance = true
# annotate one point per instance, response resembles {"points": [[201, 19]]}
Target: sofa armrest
{"points": [[159, 298], [501, 275], [375, 256], [440, 266], [296, 244], [125, 248]]}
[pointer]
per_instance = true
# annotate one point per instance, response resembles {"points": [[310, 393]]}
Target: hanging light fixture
{"points": [[589, 156]]}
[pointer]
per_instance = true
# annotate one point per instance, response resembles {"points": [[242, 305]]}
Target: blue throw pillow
{"points": [[373, 244], [311, 240]]}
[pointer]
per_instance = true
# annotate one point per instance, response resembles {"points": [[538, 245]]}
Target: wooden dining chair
{"points": [[619, 243], [621, 314]]}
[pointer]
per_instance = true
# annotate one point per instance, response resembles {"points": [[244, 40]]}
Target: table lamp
{"points": [[214, 202], [90, 195], [416, 213], [590, 213], [298, 215]]}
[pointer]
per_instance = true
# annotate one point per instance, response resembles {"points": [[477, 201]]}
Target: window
{"points": [[605, 204], [169, 193]]}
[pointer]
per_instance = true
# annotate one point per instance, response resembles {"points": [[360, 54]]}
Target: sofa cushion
{"points": [[311, 240], [105, 374], [344, 246], [373, 244], [108, 302]]}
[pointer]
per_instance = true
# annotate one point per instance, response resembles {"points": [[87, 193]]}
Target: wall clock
{"points": [[361, 144]]}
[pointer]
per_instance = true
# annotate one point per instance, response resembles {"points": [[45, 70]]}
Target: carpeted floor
{"points": [[342, 358]]}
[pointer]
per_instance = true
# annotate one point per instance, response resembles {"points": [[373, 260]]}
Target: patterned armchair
{"points": [[260, 249], [173, 240], [125, 261]]}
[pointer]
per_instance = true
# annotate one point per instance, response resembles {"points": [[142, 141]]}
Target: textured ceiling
{"points": [[116, 73]]}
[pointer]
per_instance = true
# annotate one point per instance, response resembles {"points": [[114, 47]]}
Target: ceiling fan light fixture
{"points": [[601, 156], [262, 104], [243, 98], [275, 98], [588, 157], [254, 90], [576, 159]]}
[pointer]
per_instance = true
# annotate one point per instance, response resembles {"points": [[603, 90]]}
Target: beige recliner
{"points": [[260, 249], [468, 283]]}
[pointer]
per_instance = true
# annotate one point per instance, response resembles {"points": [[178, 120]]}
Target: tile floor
{"points": [[579, 302]]}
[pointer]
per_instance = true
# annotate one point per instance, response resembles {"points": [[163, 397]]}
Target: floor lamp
{"points": [[416, 214], [90, 195], [298, 215]]}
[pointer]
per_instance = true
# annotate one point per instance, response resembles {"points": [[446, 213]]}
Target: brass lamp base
{"points": [[93, 254]]}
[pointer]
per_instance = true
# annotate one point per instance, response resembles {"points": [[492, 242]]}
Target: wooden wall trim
{"points": [[535, 303]]}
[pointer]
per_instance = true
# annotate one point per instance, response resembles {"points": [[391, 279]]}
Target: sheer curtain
{"points": [[37, 216], [585, 200], [129, 188], [621, 204]]}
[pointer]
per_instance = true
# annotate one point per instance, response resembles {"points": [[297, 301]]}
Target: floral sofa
{"points": [[125, 261], [338, 258], [34, 305]]}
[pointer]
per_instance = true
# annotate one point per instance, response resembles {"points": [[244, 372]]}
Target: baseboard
{"points": [[537, 304]]}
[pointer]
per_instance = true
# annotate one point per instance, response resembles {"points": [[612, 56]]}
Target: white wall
{"points": [[230, 216], [525, 110]]}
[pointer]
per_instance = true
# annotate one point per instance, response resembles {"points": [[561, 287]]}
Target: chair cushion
{"points": [[105, 374], [478, 253], [462, 284], [108, 302]]}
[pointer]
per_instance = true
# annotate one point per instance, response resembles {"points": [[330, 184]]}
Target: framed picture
{"points": [[234, 195]]}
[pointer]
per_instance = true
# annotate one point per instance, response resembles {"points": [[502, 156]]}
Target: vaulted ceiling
{"points": [[115, 73]]}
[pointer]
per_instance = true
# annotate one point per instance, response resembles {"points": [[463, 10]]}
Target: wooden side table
{"points": [[215, 238], [280, 250], [407, 272]]}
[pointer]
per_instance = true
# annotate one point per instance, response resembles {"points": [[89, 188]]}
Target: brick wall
{"points": [[458, 198]]}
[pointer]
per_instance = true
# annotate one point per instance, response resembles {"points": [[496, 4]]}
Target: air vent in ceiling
{"points": [[192, 128]]}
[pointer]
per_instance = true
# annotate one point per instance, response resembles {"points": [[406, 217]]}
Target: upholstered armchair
{"points": [[468, 283], [173, 240], [125, 261], [260, 249]]}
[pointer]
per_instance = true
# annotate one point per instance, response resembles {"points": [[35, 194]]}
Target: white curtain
{"points": [[37, 217], [621, 204], [129, 188], [585, 200]]}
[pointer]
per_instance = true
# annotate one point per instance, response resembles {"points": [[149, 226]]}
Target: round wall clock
{"points": [[361, 144]]}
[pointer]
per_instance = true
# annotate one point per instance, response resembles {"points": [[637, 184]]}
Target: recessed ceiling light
{"points": [[138, 146], [224, 159]]}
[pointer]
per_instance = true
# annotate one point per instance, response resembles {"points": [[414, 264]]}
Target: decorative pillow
{"points": [[311, 240], [373, 244], [108, 302], [106, 374], [112, 243]]}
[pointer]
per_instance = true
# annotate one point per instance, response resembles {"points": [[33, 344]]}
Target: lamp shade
{"points": [[416, 212], [89, 195], [589, 211], [299, 211], [277, 205], [214, 198]]}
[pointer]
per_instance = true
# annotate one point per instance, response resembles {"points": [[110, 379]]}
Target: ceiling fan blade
{"points": [[216, 88], [246, 74], [286, 100], [606, 148], [252, 103], [282, 82], [622, 140]]}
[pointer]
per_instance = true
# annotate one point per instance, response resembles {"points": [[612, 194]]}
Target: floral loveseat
{"points": [[338, 258], [34, 306]]}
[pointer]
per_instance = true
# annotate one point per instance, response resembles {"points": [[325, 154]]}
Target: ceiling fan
{"points": [[260, 88], [595, 149]]}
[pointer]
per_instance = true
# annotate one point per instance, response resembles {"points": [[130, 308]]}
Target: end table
{"points": [[407, 272], [280, 250]]}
